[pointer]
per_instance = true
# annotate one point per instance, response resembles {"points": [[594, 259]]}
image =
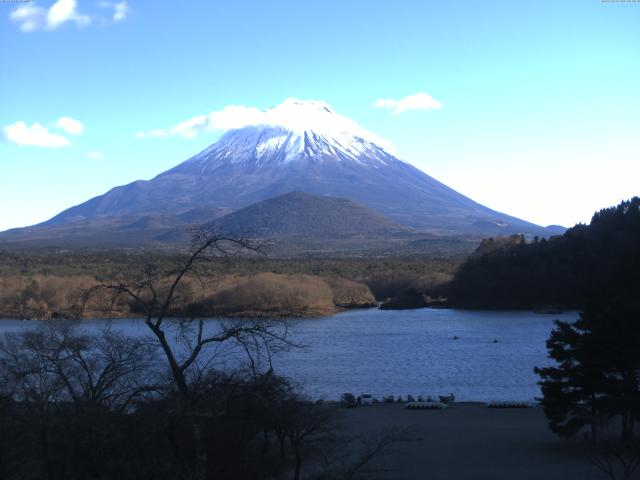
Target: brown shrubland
{"points": [[262, 294], [51, 284]]}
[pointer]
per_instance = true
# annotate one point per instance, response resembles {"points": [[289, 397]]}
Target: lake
{"points": [[387, 352]]}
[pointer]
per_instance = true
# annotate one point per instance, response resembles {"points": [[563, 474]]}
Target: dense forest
{"points": [[599, 260]]}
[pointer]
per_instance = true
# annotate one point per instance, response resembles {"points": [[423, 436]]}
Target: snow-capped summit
{"points": [[302, 116], [300, 146], [292, 131]]}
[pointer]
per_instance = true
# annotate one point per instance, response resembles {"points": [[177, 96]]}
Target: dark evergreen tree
{"points": [[597, 372], [599, 260], [572, 390]]}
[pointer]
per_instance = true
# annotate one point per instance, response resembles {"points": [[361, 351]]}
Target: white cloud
{"points": [[121, 10], [292, 114], [66, 11], [95, 155], [35, 135], [419, 101], [155, 133], [70, 125], [31, 17], [232, 116]]}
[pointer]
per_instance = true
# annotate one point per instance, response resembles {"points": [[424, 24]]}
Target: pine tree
{"points": [[597, 375]]}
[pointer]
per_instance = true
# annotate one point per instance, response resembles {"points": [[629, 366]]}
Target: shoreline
{"points": [[282, 314]]}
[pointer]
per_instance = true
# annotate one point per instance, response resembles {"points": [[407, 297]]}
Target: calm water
{"points": [[408, 352]]}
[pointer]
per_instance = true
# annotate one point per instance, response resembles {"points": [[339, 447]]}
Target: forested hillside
{"points": [[599, 260]]}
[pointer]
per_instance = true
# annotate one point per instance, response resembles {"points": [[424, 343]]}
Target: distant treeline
{"points": [[599, 260], [51, 284], [110, 263]]}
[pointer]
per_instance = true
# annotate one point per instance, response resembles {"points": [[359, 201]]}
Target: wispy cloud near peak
{"points": [[418, 101], [292, 114], [70, 125]]}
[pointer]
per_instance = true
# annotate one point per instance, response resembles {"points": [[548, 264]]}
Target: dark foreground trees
{"points": [[157, 295], [65, 397], [597, 376], [165, 405], [78, 406]]}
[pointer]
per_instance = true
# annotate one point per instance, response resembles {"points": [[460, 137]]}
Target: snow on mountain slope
{"points": [[296, 130], [299, 146]]}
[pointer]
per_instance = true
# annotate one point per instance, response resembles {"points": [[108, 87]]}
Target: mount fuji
{"points": [[297, 146]]}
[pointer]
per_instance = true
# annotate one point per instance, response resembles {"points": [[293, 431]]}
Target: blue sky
{"points": [[540, 100]]}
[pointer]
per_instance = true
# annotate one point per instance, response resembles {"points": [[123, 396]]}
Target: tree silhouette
{"points": [[599, 260], [597, 376], [155, 293]]}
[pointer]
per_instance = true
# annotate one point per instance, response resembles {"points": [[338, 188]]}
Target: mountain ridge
{"points": [[301, 146]]}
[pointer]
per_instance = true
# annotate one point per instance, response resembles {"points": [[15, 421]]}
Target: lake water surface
{"points": [[386, 352]]}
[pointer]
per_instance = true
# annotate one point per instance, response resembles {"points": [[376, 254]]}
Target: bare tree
{"points": [[56, 378], [155, 300], [26, 379], [108, 370], [155, 294], [56, 364], [306, 426]]}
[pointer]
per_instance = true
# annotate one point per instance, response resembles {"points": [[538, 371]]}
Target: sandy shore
{"points": [[470, 441]]}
